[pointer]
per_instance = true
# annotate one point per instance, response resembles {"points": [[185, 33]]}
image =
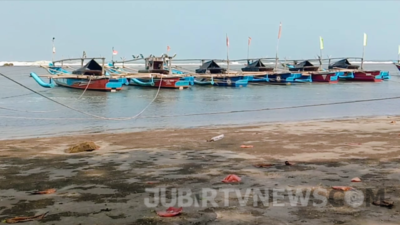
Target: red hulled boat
{"points": [[352, 73]]}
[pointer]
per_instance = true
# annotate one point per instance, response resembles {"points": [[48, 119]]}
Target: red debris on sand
{"points": [[246, 146], [170, 212], [287, 163], [356, 179], [262, 165], [25, 219], [152, 182], [343, 188], [231, 178], [48, 191]]}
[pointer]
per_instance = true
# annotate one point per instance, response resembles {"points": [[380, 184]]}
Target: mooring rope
{"points": [[83, 112], [27, 111], [194, 114]]}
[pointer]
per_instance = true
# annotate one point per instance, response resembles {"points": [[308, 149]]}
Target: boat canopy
{"points": [[304, 66], [257, 65], [344, 64], [91, 68], [211, 67]]}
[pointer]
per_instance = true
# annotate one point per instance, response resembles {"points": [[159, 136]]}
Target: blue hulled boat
{"points": [[218, 76]]}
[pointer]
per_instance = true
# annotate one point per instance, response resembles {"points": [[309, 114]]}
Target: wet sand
{"points": [[107, 186]]}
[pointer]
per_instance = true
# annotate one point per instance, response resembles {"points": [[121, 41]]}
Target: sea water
{"points": [[26, 114]]}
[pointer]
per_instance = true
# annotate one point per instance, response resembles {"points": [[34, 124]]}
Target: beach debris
{"points": [[216, 138], [45, 192], [342, 188], [356, 179], [8, 64], [231, 178], [393, 122], [170, 212], [383, 203], [354, 144], [263, 165], [152, 182], [25, 219], [287, 163], [246, 146], [87, 146]]}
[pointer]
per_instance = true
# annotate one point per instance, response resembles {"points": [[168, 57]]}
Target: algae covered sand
{"points": [[111, 185]]}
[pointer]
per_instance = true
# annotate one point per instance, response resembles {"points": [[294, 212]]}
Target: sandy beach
{"points": [[108, 185]]}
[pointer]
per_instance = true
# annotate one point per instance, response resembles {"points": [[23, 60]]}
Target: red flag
{"points": [[249, 40], [115, 52], [280, 30], [168, 48], [227, 41]]}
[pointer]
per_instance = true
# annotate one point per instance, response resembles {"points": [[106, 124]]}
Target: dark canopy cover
{"points": [[257, 65], [91, 68], [304, 66], [210, 66], [344, 64]]}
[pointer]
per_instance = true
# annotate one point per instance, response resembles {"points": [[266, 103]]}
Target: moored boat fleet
{"points": [[159, 72]]}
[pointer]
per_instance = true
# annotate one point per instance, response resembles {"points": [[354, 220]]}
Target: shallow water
{"points": [[169, 109]]}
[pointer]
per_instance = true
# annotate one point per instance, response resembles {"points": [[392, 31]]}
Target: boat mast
{"points": [[277, 45], [321, 43], [365, 44], [54, 51], [227, 52], [398, 56]]}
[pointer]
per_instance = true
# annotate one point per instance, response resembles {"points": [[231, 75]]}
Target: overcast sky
{"points": [[197, 29]]}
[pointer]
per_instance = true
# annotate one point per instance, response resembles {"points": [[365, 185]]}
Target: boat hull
{"points": [[96, 84], [224, 82], [398, 67], [283, 78], [370, 76], [330, 77], [174, 82]]}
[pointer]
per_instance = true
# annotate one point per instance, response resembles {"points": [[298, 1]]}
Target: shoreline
{"points": [[108, 185], [138, 130]]}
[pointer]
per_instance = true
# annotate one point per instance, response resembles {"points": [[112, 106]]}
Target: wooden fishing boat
{"points": [[353, 73], [91, 76], [221, 77], [257, 66], [156, 65], [312, 73]]}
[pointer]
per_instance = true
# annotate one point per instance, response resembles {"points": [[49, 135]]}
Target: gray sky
{"points": [[197, 29]]}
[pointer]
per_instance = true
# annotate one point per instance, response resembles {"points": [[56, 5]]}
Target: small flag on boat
{"points": [[227, 41], [249, 40], [54, 49], [168, 48], [321, 42], [365, 39], [280, 30], [115, 52], [399, 49]]}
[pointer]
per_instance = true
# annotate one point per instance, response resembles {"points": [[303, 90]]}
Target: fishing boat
{"points": [[91, 76], [218, 76], [312, 73], [257, 66], [166, 79], [353, 73]]}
